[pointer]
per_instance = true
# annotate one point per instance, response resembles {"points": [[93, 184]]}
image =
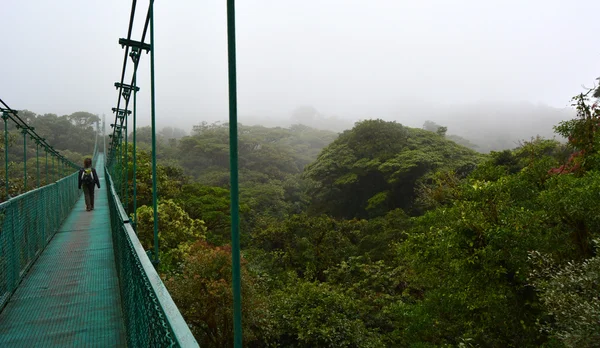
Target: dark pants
{"points": [[88, 192]]}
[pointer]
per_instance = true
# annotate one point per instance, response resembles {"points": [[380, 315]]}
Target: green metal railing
{"points": [[29, 219], [151, 317], [27, 223], [118, 161], [16, 183]]}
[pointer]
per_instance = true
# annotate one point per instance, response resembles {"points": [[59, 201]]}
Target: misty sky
{"points": [[344, 57]]}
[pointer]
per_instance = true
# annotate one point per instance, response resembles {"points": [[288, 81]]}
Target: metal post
{"points": [[24, 131], [120, 168], [134, 153], [153, 121], [37, 159], [233, 165], [46, 151], [5, 118], [126, 166], [118, 153]]}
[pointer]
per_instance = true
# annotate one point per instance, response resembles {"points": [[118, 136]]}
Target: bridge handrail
{"points": [[27, 224], [151, 316]]}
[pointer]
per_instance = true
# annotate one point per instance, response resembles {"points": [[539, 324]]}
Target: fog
{"points": [[469, 65]]}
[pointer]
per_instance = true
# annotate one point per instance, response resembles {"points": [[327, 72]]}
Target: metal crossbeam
{"points": [[131, 43], [124, 86]]}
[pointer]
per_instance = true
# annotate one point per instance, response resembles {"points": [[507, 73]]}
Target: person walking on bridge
{"points": [[88, 178]]}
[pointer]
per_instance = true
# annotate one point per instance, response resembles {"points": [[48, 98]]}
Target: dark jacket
{"points": [[94, 175]]}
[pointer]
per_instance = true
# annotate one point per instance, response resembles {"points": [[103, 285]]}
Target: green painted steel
{"points": [[24, 131], [135, 89], [233, 165], [11, 115], [28, 221], [37, 161], [70, 297], [6, 181], [46, 151], [126, 166], [153, 121], [151, 317]]}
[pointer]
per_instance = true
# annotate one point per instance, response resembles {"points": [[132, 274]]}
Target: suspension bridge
{"points": [[71, 277]]}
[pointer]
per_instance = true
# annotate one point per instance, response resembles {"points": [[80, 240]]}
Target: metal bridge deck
{"points": [[70, 297]]}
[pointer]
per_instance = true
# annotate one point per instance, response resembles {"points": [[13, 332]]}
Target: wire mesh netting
{"points": [[151, 317], [27, 223]]}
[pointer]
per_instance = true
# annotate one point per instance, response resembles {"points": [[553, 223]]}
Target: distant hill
{"points": [[496, 126]]}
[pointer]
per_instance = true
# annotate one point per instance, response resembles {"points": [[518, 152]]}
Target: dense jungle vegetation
{"points": [[72, 135], [382, 235]]}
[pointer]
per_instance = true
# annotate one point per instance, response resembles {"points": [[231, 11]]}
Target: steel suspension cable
{"points": [[233, 164], [126, 55], [5, 118], [153, 122], [136, 62], [37, 161], [134, 153], [13, 115], [24, 131], [116, 148], [46, 151], [126, 165]]}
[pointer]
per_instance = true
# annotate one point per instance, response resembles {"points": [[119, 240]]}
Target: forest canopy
{"points": [[379, 236]]}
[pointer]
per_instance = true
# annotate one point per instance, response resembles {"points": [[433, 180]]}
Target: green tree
{"points": [[375, 167], [203, 293], [311, 244], [313, 314], [176, 231], [569, 294], [212, 205], [83, 120]]}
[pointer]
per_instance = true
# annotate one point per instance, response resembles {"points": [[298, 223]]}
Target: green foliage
{"points": [[571, 203], [381, 233], [483, 228], [170, 179], [313, 314], [83, 120], [378, 289], [203, 294], [442, 189], [176, 230], [583, 136], [375, 167], [211, 205], [394, 236], [172, 133], [569, 294], [442, 131], [444, 259], [73, 132], [271, 162], [72, 135], [310, 245], [452, 249], [273, 152]]}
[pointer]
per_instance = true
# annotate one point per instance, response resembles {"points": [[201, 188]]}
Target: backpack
{"points": [[88, 177]]}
